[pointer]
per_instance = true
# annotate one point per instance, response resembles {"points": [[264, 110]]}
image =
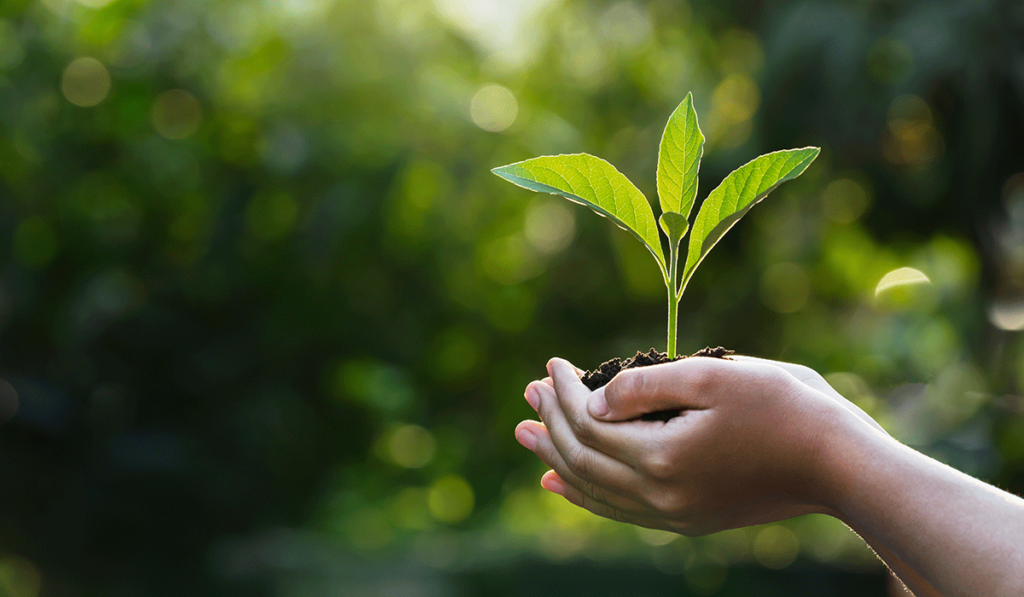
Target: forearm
{"points": [[953, 532]]}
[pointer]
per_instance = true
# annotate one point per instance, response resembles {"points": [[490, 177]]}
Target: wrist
{"points": [[849, 453]]}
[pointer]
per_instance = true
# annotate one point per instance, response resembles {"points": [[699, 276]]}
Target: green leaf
{"points": [[675, 226], [739, 192], [682, 145], [595, 183]]}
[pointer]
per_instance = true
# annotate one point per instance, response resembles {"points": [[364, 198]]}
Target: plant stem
{"points": [[673, 299]]}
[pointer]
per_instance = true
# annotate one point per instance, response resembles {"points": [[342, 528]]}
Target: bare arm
{"points": [[758, 443]]}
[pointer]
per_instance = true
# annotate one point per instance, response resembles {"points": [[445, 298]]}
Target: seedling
{"points": [[589, 180]]}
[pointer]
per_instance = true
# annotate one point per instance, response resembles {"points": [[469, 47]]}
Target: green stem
{"points": [[673, 299]]}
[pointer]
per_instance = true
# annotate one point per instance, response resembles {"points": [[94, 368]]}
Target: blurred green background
{"points": [[266, 317]]}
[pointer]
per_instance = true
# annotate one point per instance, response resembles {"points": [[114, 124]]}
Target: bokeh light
{"points": [[904, 276], [176, 114], [411, 446], [776, 547], [912, 139], [844, 200], [493, 108], [86, 82], [450, 499], [785, 287], [550, 225]]}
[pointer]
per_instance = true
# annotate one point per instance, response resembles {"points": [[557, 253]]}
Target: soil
{"points": [[609, 369]]}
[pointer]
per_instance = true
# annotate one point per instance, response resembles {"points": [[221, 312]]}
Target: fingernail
{"points": [[527, 438], [532, 397], [553, 485], [597, 405]]}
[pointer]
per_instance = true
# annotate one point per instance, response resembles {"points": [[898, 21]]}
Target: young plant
{"points": [[589, 180]]}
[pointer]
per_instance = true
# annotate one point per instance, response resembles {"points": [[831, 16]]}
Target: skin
{"points": [[759, 441]]}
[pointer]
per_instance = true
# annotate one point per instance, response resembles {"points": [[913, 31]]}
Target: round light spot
{"points": [[411, 446], [1007, 315], [736, 99], [450, 499], [35, 243], [776, 547], [493, 108], [785, 288], [912, 139], [176, 114], [625, 25], [550, 226], [655, 537], [904, 276], [86, 82], [844, 201]]}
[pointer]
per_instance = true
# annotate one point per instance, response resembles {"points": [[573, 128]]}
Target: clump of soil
{"points": [[609, 369]]}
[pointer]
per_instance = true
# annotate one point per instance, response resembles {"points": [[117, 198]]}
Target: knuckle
{"points": [[672, 505], [578, 461], [659, 464], [627, 384], [805, 372], [580, 423], [702, 380], [595, 492]]}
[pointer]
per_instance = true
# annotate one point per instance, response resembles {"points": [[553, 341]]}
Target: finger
{"points": [[592, 464], [680, 385], [585, 461], [623, 441], [555, 484], [612, 492], [566, 380]]}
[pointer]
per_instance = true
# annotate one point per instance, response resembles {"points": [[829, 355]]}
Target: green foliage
{"points": [[740, 191], [682, 145], [596, 183]]}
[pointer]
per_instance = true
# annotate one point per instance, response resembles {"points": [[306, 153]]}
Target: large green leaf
{"points": [[682, 145], [739, 192], [595, 183]]}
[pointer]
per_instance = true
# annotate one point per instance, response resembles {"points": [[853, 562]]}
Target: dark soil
{"points": [[609, 369]]}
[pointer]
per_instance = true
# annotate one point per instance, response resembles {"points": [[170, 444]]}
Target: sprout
{"points": [[597, 184]]}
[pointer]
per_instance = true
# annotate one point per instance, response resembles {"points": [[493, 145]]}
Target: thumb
{"points": [[669, 386]]}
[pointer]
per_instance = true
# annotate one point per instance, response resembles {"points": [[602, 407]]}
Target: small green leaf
{"points": [[682, 145], [595, 183], [675, 226], [740, 191]]}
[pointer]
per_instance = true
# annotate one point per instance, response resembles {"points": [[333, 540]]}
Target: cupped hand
{"points": [[754, 442]]}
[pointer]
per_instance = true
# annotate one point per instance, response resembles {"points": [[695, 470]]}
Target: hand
{"points": [[753, 442]]}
